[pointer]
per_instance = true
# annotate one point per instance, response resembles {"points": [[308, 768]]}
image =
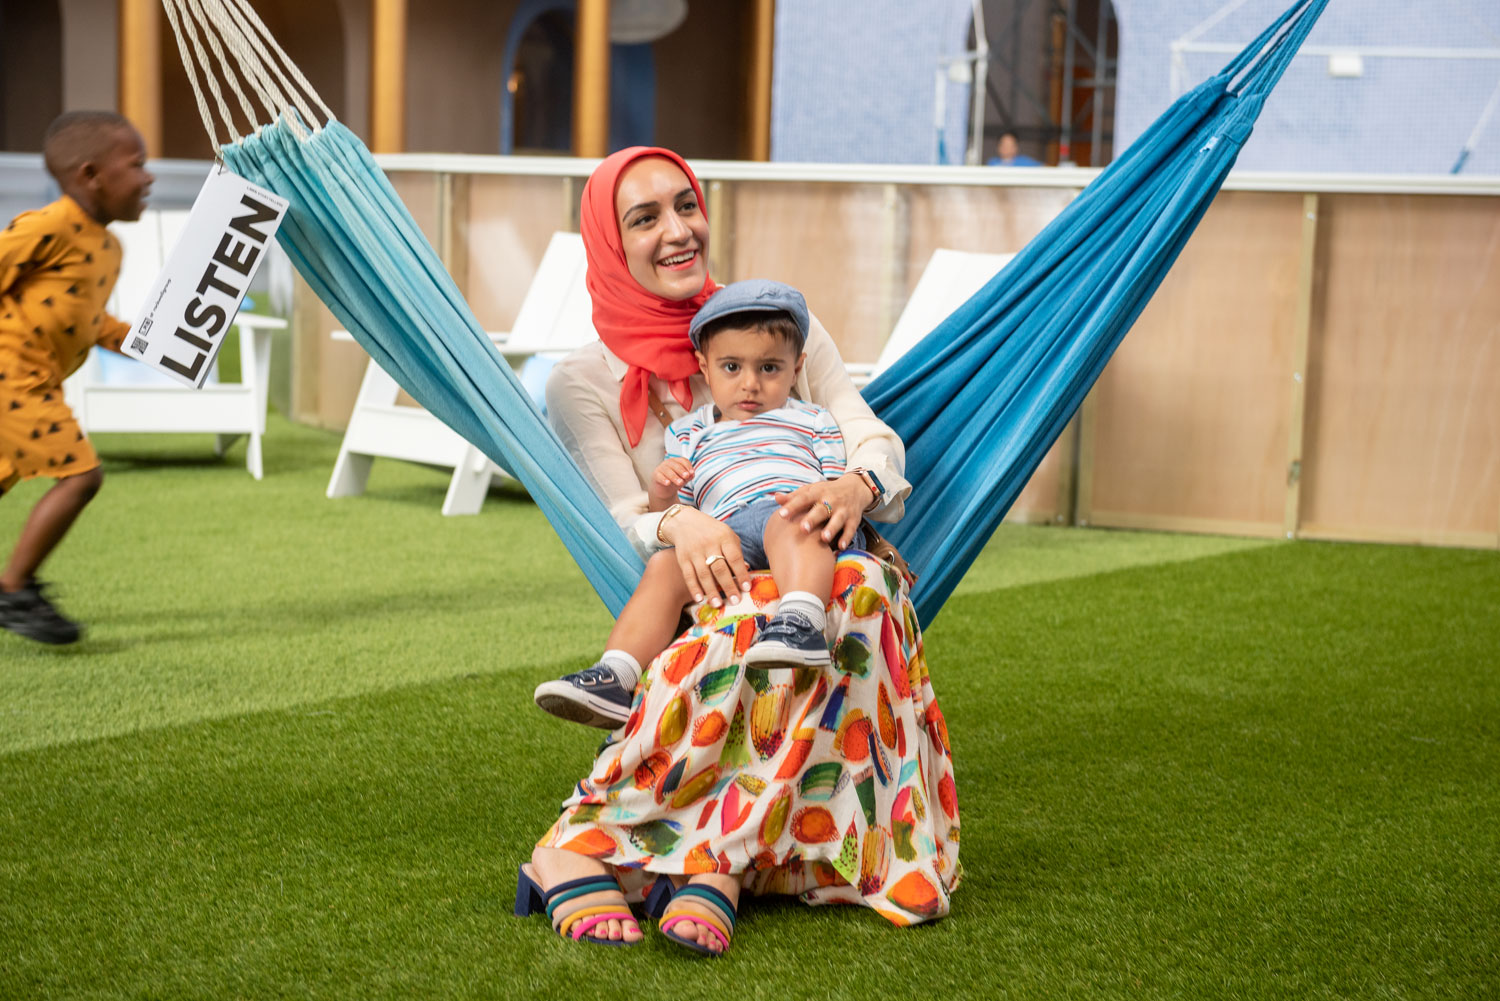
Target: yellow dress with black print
{"points": [[58, 266]]}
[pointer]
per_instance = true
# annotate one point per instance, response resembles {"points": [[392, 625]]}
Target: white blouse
{"points": [[583, 406]]}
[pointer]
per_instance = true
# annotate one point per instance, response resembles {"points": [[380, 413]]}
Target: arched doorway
{"points": [[536, 101], [536, 105], [1051, 79]]}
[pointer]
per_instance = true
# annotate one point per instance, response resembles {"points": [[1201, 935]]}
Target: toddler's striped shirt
{"points": [[735, 462]]}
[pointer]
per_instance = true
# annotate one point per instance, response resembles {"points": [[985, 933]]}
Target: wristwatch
{"points": [[873, 482]]}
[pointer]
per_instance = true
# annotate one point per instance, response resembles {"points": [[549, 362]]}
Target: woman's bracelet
{"points": [[668, 513]]}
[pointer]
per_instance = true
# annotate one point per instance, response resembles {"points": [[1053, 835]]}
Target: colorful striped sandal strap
{"points": [[577, 921], [713, 911], [715, 898], [575, 888]]}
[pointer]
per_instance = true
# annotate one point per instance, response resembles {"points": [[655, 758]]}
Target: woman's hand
{"points": [[708, 554], [837, 506]]}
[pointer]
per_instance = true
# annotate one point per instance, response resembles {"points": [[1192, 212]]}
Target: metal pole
{"points": [[977, 86], [1479, 127], [940, 113], [1018, 25], [1065, 119], [1101, 67], [1054, 83]]}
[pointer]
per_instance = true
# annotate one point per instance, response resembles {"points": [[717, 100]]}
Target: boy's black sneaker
{"points": [[28, 613]]}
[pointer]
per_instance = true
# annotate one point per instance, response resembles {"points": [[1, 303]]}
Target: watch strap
{"points": [[877, 489]]}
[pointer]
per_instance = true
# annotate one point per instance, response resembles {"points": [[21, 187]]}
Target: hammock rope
{"points": [[182, 37], [260, 65], [978, 402], [217, 22]]}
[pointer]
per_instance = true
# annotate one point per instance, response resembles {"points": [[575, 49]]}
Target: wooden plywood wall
{"points": [[984, 220], [857, 251], [1403, 422], [508, 221], [993, 221], [327, 373], [490, 231], [837, 243], [1188, 426], [1318, 365]]}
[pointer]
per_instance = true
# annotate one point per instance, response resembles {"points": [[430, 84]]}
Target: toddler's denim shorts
{"points": [[749, 523]]}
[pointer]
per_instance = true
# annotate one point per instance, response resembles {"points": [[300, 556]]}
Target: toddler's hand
{"points": [[673, 474]]}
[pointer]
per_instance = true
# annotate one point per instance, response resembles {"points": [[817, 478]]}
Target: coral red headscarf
{"points": [[647, 332]]}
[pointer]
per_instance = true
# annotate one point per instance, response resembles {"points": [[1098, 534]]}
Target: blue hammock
{"points": [[978, 402]]}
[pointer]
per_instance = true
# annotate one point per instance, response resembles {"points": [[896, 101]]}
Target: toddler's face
{"points": [[749, 372]]}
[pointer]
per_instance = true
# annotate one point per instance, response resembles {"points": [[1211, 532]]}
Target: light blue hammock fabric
{"points": [[358, 248], [978, 402]]}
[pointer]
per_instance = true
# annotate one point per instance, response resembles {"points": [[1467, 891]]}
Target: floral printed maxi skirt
{"points": [[835, 784]]}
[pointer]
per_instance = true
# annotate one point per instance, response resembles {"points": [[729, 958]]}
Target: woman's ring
{"points": [[829, 507], [710, 561]]}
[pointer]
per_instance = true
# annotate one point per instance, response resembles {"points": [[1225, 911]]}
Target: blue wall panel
{"points": [[1404, 115], [854, 81]]}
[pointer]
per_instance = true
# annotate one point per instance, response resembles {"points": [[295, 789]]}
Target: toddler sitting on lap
{"points": [[728, 460]]}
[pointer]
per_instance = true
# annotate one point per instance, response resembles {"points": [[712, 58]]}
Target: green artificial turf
{"points": [[296, 757]]}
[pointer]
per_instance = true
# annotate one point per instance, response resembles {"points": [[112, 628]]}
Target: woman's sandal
{"points": [[714, 911], [577, 921]]}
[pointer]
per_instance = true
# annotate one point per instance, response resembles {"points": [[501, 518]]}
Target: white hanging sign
{"points": [[208, 272]]}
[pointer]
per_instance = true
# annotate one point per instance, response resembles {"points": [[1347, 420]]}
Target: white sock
{"points": [[809, 604], [626, 667]]}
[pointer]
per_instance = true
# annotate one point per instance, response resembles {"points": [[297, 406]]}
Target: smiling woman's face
{"points": [[662, 228]]}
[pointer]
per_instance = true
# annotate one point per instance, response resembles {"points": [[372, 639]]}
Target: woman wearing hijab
{"points": [[836, 785]]}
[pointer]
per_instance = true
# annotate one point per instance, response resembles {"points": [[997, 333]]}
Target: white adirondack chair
{"points": [[110, 392], [555, 317], [949, 280]]}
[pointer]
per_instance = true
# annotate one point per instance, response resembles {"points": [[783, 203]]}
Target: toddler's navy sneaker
{"points": [[594, 697], [789, 640]]}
